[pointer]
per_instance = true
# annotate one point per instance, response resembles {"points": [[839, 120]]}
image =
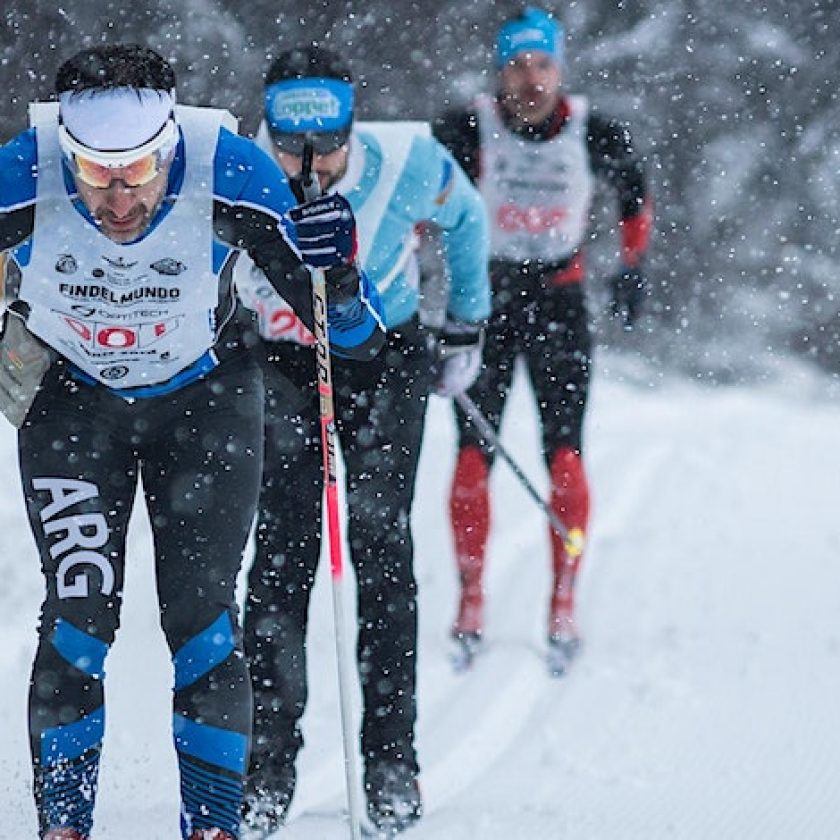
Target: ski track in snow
{"points": [[702, 706]]}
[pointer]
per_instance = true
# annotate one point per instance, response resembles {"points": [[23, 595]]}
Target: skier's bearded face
{"points": [[329, 167], [529, 86]]}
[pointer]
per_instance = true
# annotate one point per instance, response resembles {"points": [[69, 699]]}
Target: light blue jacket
{"points": [[398, 176]]}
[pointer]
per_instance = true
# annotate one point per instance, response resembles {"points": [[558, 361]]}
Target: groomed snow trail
{"points": [[703, 705]]}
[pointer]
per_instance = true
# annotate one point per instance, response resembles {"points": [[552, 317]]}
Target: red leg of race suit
{"points": [[469, 507], [570, 501]]}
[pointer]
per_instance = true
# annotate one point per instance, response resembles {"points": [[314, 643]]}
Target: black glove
{"points": [[457, 354], [629, 289], [326, 231]]}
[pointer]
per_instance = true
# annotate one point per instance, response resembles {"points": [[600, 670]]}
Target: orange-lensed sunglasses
{"points": [[134, 174]]}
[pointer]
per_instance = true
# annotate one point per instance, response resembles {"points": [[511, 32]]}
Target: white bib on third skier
{"points": [[126, 315], [537, 193]]}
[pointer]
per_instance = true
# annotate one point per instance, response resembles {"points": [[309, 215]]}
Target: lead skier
{"points": [[123, 357]]}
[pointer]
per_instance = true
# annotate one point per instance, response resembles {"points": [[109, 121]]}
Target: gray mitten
{"points": [[457, 352], [24, 360]]}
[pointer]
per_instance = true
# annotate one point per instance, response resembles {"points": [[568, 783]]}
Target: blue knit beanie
{"points": [[534, 30]]}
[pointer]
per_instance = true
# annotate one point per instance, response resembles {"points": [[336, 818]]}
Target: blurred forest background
{"points": [[734, 105]]}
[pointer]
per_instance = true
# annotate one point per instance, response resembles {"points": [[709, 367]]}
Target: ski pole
{"points": [[572, 537], [311, 190]]}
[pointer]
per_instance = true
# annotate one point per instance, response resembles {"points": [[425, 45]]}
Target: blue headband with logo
{"points": [[309, 105], [534, 30]]}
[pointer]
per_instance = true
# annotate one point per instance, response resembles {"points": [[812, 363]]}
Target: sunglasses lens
{"points": [[135, 174], [290, 144], [140, 172], [92, 173], [326, 143], [323, 144]]}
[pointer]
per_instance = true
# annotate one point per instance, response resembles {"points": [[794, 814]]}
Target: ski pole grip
{"points": [[308, 179]]}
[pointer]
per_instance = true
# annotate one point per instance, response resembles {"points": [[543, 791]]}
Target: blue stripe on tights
{"points": [[210, 744], [203, 652], [80, 649], [70, 741]]}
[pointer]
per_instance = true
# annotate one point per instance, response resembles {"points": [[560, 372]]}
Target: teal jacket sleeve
{"points": [[456, 207]]}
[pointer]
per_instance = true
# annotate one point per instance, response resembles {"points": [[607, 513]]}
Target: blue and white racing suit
{"points": [[152, 377]]}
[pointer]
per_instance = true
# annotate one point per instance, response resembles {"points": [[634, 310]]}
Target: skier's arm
{"points": [[18, 161], [614, 158], [458, 131], [253, 217], [24, 359], [456, 207]]}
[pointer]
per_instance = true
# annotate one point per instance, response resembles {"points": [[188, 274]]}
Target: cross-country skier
{"points": [[533, 150], [121, 214], [395, 175]]}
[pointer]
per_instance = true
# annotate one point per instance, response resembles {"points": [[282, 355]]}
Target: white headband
{"points": [[115, 119]]}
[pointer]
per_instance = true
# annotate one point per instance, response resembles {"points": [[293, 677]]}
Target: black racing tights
{"points": [[380, 428], [198, 452], [546, 326]]}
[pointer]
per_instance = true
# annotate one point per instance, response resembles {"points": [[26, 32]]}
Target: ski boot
{"points": [[393, 796], [562, 649], [467, 646], [563, 638], [267, 800], [466, 632]]}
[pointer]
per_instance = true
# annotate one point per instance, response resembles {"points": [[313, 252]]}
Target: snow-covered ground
{"points": [[704, 704]]}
